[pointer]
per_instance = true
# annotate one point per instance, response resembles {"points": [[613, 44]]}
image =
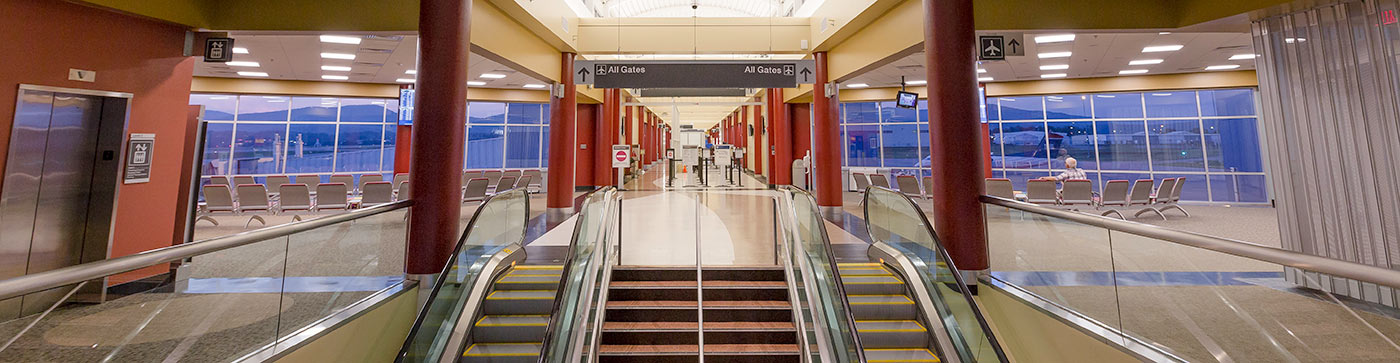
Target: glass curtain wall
{"points": [[263, 135], [1211, 137]]}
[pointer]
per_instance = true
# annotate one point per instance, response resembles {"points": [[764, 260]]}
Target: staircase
{"points": [[512, 322], [654, 314], [888, 322]]}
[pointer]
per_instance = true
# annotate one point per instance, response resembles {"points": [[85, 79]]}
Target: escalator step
{"points": [[882, 307], [519, 302], [879, 300], [872, 285], [513, 320], [502, 352], [527, 282], [875, 355], [865, 271], [891, 333]]}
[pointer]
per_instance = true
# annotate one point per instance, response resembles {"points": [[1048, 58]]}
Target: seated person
{"points": [[1072, 171]]}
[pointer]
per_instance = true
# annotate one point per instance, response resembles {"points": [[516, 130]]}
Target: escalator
{"points": [[888, 322], [512, 321]]}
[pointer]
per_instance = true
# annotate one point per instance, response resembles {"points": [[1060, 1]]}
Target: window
{"points": [[863, 145], [310, 148], [1228, 102], [216, 107], [890, 113], [1118, 105], [1233, 145], [315, 108], [485, 147], [523, 146], [263, 108], [900, 144], [218, 142], [1122, 145], [1024, 144], [273, 134], [1022, 108], [523, 113], [364, 109], [1072, 140], [862, 113], [1067, 107], [256, 148], [486, 113], [1176, 145], [1171, 104], [358, 147]]}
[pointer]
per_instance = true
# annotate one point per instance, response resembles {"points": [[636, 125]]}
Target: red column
{"points": [[781, 131], [606, 135], [561, 140], [826, 148], [444, 38], [954, 134]]}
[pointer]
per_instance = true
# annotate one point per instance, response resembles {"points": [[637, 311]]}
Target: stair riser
{"points": [[739, 294], [884, 311], [741, 337], [632, 294], [507, 334], [757, 358], [650, 338], [753, 315], [645, 315], [743, 275], [648, 359], [626, 274]]}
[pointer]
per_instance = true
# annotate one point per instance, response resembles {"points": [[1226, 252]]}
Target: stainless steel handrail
{"points": [[95, 270], [1244, 249], [569, 260], [835, 269]]}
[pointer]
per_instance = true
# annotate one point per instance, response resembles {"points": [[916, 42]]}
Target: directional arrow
{"points": [[1012, 45], [583, 73], [806, 73]]}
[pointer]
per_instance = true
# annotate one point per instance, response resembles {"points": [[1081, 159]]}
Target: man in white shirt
{"points": [[1072, 171]]}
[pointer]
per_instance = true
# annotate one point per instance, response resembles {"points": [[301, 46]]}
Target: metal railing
{"points": [[580, 299], [95, 270], [813, 266]]}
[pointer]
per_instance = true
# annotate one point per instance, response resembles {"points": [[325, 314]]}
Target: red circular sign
{"points": [[621, 155]]}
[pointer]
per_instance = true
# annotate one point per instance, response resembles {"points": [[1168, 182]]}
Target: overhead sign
{"points": [[218, 49], [1015, 44], [690, 155], [621, 156], [82, 75], [695, 74], [991, 47], [139, 150]]}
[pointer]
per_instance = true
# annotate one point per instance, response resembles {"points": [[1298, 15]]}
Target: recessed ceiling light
{"points": [[1164, 33], [1055, 38], [915, 83], [1053, 75], [253, 74], [338, 56], [1294, 40], [984, 79], [1243, 56], [406, 80], [1054, 55], [335, 68], [1132, 71], [980, 70], [1143, 62], [239, 50], [411, 71], [534, 85], [1222, 67], [334, 77], [1161, 48], [1054, 67], [476, 83], [242, 64], [492, 76], [340, 39], [857, 85]]}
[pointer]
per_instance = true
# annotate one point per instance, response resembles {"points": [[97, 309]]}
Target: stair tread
{"points": [[513, 320], [899, 355], [650, 325], [889, 326], [751, 348], [748, 304], [879, 299], [626, 284], [521, 295], [645, 349], [723, 283], [749, 325], [503, 349], [653, 303]]}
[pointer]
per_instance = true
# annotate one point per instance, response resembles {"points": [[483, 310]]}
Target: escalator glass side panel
{"points": [[498, 223], [811, 244], [591, 252], [895, 220]]}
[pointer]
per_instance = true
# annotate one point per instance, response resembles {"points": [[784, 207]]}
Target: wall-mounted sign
{"points": [[218, 49], [82, 75], [139, 150], [621, 156], [670, 154], [695, 74], [406, 107]]}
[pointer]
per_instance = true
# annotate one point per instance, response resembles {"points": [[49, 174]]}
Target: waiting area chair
{"points": [[1077, 194], [1000, 188], [862, 182], [1040, 191], [253, 198], [294, 198], [909, 185], [928, 187], [376, 193], [332, 196], [880, 180], [476, 189], [217, 199]]}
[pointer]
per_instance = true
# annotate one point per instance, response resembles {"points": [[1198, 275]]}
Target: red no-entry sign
{"points": [[622, 156]]}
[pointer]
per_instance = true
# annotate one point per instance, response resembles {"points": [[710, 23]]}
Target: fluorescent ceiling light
{"points": [[1222, 67], [411, 71], [406, 80], [980, 70], [1161, 48], [1055, 38], [1133, 71], [334, 77], [1054, 67], [1294, 40], [476, 83], [335, 68], [1164, 33], [338, 56], [857, 85], [1054, 55], [492, 76], [240, 50], [241, 64], [253, 74], [340, 39], [1053, 75], [534, 85], [984, 79], [1143, 62], [915, 83], [1243, 56]]}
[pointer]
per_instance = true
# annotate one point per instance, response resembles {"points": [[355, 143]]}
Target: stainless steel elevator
{"points": [[60, 187]]}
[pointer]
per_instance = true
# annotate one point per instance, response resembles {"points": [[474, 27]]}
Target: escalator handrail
{"points": [[568, 266], [835, 270], [942, 252], [437, 285]]}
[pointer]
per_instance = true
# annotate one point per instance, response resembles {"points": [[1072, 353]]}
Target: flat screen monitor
{"points": [[406, 107], [907, 99]]}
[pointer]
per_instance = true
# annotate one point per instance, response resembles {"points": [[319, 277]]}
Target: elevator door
{"points": [[50, 194]]}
